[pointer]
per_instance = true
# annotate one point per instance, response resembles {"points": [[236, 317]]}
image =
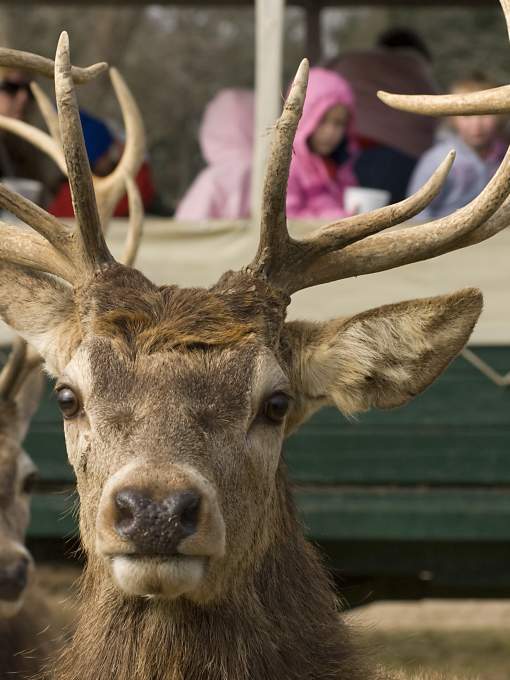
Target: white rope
{"points": [[488, 371]]}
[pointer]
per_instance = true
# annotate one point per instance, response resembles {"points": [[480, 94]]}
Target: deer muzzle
{"points": [[16, 566], [159, 529]]}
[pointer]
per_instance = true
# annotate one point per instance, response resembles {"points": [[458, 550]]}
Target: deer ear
{"points": [[42, 310], [381, 358]]}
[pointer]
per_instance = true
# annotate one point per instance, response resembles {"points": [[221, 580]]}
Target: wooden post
{"points": [[313, 33], [269, 17]]}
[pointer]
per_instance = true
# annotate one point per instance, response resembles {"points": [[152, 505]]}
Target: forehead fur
{"points": [[124, 306]]}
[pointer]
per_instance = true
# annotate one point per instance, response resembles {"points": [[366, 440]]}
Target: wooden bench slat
{"points": [[400, 455], [406, 515]]}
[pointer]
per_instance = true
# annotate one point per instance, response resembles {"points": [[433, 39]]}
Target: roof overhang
{"points": [[308, 4]]}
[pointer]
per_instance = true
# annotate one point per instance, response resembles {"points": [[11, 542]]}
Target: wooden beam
{"points": [[313, 33], [249, 3], [269, 18]]}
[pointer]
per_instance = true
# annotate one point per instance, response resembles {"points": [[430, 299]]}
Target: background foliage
{"points": [[176, 59]]}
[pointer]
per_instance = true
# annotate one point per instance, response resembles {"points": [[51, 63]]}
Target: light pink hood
{"points": [[311, 191], [227, 127], [222, 189]]}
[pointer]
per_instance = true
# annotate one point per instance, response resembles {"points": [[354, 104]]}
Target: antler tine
{"points": [[494, 100], [351, 229], [12, 369], [45, 224], [94, 249], [48, 112], [32, 251], [505, 5], [37, 137], [135, 228], [273, 229], [46, 67], [109, 189], [386, 251]]}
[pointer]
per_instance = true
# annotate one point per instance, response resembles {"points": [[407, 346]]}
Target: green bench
{"points": [[403, 503]]}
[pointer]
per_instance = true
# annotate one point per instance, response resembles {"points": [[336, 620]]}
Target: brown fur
{"points": [[172, 385], [26, 642], [280, 621], [151, 319]]}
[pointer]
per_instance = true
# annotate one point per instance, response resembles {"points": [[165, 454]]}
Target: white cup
{"points": [[28, 188], [360, 199]]}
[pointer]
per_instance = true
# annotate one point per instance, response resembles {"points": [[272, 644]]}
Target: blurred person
{"points": [[18, 158], [479, 145], [104, 150], [323, 150], [390, 141], [15, 93], [222, 188]]}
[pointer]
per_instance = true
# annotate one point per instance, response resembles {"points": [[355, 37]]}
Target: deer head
{"points": [[21, 384], [176, 402]]}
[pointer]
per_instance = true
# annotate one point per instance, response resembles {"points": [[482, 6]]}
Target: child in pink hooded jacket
{"points": [[323, 150], [222, 189]]}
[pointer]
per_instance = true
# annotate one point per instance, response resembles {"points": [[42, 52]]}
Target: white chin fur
{"points": [[156, 576], [10, 609]]}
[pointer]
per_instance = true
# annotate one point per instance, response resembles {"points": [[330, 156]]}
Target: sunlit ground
{"points": [[466, 638]]}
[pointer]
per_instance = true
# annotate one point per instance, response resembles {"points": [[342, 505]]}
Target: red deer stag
{"points": [[25, 638], [176, 403]]}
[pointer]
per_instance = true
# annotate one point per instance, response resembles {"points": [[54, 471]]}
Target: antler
{"points": [[20, 362], [12, 369], [59, 248], [46, 67], [136, 215], [71, 254], [354, 246], [109, 190], [281, 258], [493, 100], [92, 245]]}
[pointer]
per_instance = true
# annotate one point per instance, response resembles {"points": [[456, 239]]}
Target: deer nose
{"points": [[156, 527], [13, 579]]}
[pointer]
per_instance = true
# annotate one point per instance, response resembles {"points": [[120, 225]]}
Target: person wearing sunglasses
{"points": [[24, 168], [15, 93]]}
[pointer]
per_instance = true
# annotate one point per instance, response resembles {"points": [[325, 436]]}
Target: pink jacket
{"points": [[311, 191], [222, 189]]}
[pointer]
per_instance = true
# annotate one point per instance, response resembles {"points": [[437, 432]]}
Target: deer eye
{"points": [[29, 483], [68, 402], [276, 406]]}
